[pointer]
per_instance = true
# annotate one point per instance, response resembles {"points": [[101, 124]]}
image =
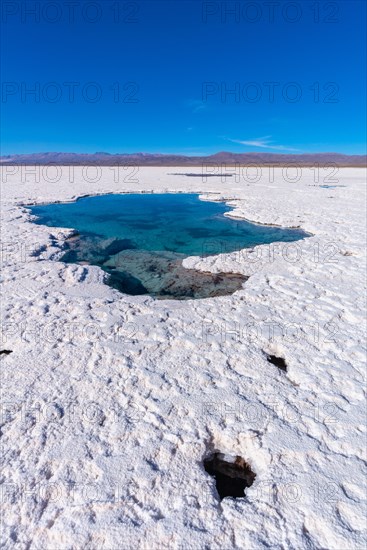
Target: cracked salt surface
{"points": [[110, 402]]}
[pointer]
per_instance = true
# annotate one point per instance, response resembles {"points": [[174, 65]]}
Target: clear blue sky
{"points": [[168, 51]]}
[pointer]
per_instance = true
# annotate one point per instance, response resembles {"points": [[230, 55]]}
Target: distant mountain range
{"points": [[149, 159]]}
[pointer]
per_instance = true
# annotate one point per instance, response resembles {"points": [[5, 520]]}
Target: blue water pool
{"points": [[140, 240]]}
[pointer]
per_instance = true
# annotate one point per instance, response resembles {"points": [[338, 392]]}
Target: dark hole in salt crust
{"points": [[193, 175], [5, 351], [278, 362], [231, 478]]}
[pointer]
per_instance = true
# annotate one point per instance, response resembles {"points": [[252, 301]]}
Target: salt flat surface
{"points": [[111, 402]]}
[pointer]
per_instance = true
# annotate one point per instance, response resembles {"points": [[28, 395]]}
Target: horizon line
{"points": [[182, 154]]}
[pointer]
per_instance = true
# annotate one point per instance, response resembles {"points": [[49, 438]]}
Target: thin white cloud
{"points": [[196, 105], [264, 143]]}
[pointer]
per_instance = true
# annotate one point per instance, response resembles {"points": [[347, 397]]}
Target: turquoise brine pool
{"points": [[140, 240]]}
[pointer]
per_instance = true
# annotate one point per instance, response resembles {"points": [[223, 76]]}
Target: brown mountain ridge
{"points": [[151, 159]]}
